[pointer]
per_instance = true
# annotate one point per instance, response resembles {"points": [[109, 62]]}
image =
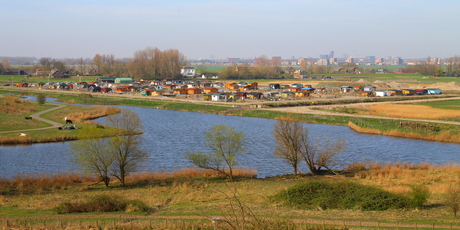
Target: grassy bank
{"points": [[13, 110], [191, 198]]}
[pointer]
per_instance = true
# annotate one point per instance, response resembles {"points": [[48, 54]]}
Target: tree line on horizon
{"points": [[149, 63], [153, 63]]}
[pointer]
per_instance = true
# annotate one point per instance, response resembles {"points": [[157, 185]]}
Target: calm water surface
{"points": [[170, 134]]}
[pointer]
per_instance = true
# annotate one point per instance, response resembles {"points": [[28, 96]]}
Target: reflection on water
{"points": [[170, 134]]}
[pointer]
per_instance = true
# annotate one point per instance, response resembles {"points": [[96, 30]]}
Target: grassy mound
{"points": [[341, 195], [103, 203]]}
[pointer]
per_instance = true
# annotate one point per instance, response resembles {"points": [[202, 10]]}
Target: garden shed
{"points": [[433, 91], [382, 93], [121, 80], [219, 97]]}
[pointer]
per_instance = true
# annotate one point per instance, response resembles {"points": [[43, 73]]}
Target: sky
{"points": [[219, 29]]}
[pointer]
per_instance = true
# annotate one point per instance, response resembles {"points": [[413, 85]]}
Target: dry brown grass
{"points": [[93, 114], [14, 105], [410, 111], [40, 183], [397, 177], [187, 173], [360, 129]]}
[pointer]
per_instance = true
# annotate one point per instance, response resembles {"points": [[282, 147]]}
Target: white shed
{"points": [[382, 93], [219, 97]]}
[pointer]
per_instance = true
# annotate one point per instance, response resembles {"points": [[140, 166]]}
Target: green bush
{"points": [[419, 194], [103, 203], [340, 195]]}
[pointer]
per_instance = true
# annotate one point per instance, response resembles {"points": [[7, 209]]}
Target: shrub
{"points": [[103, 203], [340, 195], [41, 99], [419, 194], [452, 200]]}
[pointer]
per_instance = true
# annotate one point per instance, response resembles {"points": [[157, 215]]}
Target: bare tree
{"points": [[225, 144], [296, 142], [90, 153], [125, 145], [152, 62], [289, 141]]}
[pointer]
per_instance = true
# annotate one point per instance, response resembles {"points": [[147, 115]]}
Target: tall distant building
{"points": [[370, 58], [379, 61], [350, 60], [324, 56], [397, 61], [331, 54]]}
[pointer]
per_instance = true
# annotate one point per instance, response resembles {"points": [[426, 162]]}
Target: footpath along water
{"points": [[170, 134]]}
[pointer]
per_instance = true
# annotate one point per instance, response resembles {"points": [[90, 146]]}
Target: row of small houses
{"points": [[372, 91], [212, 94]]}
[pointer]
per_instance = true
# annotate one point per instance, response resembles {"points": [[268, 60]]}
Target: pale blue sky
{"points": [[230, 28]]}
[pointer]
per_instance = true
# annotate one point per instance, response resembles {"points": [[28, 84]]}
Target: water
{"points": [[170, 134]]}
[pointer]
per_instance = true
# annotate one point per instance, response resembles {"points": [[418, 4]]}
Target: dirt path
{"points": [[182, 217], [311, 110], [37, 116]]}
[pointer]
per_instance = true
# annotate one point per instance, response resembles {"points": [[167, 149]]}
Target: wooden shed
{"points": [[408, 91], [395, 92], [158, 93], [302, 94], [179, 91], [287, 94], [255, 95], [367, 93], [194, 91], [210, 90], [294, 89]]}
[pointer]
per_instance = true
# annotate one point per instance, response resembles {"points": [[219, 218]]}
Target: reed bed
{"points": [[398, 177], [410, 111], [40, 183], [13, 105], [93, 114], [187, 173]]}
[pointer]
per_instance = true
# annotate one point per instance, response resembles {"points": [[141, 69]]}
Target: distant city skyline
{"points": [[221, 29]]}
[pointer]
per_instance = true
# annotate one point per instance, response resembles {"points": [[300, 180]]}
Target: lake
{"points": [[170, 134]]}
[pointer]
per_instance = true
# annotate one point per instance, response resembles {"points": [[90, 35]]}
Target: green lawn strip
{"points": [[18, 122], [11, 122], [18, 212], [451, 104]]}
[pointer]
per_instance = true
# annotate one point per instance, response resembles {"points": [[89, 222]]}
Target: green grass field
{"points": [[454, 104]]}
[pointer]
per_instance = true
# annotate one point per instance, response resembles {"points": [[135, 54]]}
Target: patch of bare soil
{"points": [[445, 85]]}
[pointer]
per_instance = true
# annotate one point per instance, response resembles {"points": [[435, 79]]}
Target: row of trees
{"points": [[121, 154], [149, 63], [293, 143]]}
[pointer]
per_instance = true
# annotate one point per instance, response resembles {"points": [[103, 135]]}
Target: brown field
{"points": [[408, 111]]}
